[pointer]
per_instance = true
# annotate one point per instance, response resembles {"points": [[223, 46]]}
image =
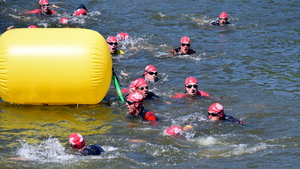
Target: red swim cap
{"points": [[43, 2], [76, 141], [137, 83], [32, 26], [185, 39], [190, 80], [135, 97], [173, 130], [111, 39], [64, 20], [150, 68], [122, 36], [216, 107], [223, 15], [79, 12]]}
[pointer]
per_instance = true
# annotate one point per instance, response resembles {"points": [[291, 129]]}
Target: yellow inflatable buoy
{"points": [[54, 66]]}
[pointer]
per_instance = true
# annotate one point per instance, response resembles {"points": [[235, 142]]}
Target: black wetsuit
{"points": [[216, 23], [177, 51], [92, 150], [151, 96], [145, 115], [226, 118], [230, 118]]}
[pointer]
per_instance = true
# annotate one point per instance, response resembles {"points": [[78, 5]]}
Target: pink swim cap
{"points": [[32, 26], [223, 15], [185, 39], [79, 12], [150, 68], [122, 36], [43, 2], [216, 107], [76, 141], [190, 80], [64, 20], [137, 83], [111, 39], [173, 130], [135, 97]]}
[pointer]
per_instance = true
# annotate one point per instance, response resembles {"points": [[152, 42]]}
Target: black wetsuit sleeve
{"points": [[232, 119], [92, 150], [216, 23]]}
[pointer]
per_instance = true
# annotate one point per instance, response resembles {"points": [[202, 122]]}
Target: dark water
{"points": [[251, 65]]}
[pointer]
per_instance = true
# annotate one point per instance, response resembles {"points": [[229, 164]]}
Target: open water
{"points": [[252, 65]]}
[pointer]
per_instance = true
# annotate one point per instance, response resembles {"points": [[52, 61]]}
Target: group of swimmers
{"points": [[44, 9], [138, 89], [138, 92]]}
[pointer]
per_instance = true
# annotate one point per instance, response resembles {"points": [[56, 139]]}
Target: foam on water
{"points": [[49, 150]]}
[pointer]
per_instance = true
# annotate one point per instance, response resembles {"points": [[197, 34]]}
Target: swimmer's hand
{"points": [[10, 27], [133, 48], [124, 74], [54, 6], [138, 141], [19, 158]]}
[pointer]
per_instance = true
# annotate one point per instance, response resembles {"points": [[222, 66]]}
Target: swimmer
{"points": [[44, 8], [222, 20], [184, 48], [216, 113], [80, 10], [122, 36], [191, 88], [76, 141], [13, 27], [141, 86], [63, 21], [134, 103], [150, 74], [177, 131], [112, 43], [32, 26]]}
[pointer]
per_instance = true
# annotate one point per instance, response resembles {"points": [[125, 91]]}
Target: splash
{"points": [[49, 150]]}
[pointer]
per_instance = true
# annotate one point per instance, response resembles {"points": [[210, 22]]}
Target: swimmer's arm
{"points": [[54, 6], [10, 27], [172, 53], [19, 158], [138, 141]]}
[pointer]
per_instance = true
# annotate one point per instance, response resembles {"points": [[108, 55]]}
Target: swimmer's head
{"points": [[32, 26], [139, 82], [216, 108], [80, 12], [135, 97], [216, 112], [111, 39], [43, 2], [76, 141], [122, 36], [223, 15], [150, 73], [191, 86], [64, 20], [185, 39], [190, 80], [173, 131], [150, 68]]}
